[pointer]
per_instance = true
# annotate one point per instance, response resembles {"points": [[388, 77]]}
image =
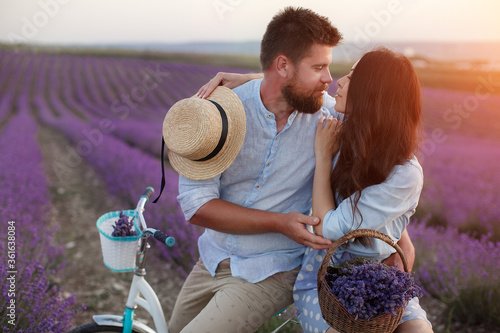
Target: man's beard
{"points": [[302, 102]]}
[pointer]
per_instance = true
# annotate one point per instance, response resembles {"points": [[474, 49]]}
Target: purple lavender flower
{"points": [[123, 227], [371, 288]]}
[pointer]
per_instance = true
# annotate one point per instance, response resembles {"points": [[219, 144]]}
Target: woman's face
{"points": [[341, 96]]}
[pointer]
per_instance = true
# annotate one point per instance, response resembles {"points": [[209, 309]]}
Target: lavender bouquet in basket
{"points": [[123, 227], [368, 288]]}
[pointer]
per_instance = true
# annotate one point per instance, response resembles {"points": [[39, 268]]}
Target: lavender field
{"points": [[80, 135]]}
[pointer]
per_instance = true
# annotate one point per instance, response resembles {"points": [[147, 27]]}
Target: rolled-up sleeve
{"points": [[195, 193], [379, 205]]}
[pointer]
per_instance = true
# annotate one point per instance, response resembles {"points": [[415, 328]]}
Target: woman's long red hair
{"points": [[382, 123]]}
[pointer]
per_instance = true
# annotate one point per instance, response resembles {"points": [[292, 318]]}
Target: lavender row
{"points": [[462, 185], [33, 304], [25, 195], [462, 272], [462, 113], [12, 82]]}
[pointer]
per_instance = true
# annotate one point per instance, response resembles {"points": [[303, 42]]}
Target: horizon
{"points": [[347, 51]]}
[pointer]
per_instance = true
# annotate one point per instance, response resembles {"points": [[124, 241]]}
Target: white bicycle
{"points": [[141, 293]]}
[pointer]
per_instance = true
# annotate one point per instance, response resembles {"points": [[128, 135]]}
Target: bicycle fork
{"points": [[149, 301]]}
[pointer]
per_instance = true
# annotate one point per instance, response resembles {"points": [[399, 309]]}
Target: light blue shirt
{"points": [[273, 172], [386, 207]]}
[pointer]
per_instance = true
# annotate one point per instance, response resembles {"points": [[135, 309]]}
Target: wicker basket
{"points": [[335, 313], [119, 253]]}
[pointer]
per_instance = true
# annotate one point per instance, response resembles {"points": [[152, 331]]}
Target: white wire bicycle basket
{"points": [[119, 253]]}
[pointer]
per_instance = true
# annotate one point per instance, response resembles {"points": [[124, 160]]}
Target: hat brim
{"points": [[201, 170]]}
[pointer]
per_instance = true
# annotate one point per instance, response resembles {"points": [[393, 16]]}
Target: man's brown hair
{"points": [[292, 32]]}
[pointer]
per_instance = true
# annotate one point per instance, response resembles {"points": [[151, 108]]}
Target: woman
{"points": [[376, 178]]}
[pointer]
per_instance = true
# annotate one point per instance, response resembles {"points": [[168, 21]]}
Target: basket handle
{"points": [[360, 233]]}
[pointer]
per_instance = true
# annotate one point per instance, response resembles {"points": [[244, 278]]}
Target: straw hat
{"points": [[204, 136]]}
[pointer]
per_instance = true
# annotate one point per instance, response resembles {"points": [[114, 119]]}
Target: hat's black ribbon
{"points": [[223, 135], [162, 169], [217, 149]]}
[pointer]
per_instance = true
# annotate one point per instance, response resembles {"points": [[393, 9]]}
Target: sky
{"points": [[184, 21]]}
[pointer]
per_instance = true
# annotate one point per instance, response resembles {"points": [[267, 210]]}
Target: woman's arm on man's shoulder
{"points": [[229, 80]]}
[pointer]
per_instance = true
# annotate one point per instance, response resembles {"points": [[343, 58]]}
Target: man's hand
{"points": [[406, 245], [294, 226], [254, 221]]}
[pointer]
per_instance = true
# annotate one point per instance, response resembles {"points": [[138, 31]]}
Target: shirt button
{"points": [[257, 187], [269, 116], [268, 164]]}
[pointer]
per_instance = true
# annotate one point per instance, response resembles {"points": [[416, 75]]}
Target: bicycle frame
{"points": [[149, 301]]}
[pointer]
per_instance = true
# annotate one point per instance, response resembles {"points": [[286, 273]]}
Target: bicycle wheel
{"points": [[96, 328]]}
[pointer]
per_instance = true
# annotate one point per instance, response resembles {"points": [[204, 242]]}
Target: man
{"points": [[256, 212]]}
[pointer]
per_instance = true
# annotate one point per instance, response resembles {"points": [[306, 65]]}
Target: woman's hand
{"points": [[325, 147], [326, 144], [230, 80]]}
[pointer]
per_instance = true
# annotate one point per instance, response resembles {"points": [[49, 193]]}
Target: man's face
{"points": [[304, 91]]}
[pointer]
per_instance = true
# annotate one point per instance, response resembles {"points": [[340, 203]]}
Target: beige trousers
{"points": [[225, 304]]}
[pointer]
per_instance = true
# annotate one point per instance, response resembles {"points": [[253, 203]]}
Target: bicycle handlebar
{"points": [[160, 236], [157, 234], [149, 191]]}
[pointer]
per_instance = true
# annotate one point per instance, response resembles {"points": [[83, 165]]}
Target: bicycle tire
{"points": [[96, 328]]}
